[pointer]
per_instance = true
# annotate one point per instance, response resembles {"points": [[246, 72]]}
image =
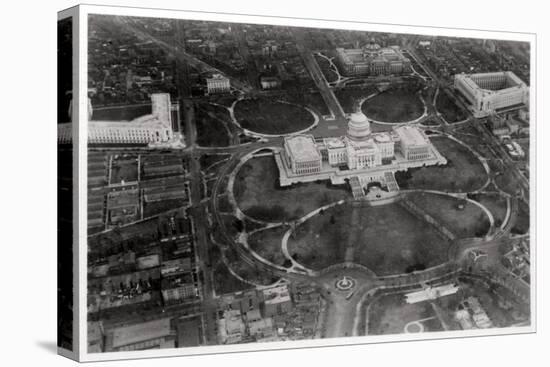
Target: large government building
{"points": [[372, 60], [359, 158], [154, 129], [487, 93]]}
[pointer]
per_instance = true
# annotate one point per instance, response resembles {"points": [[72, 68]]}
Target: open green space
{"points": [[508, 182], [462, 173], [267, 244], [302, 97], [224, 281], [523, 219], [349, 97], [313, 100], [259, 195], [471, 136], [390, 314], [211, 129], [248, 272], [324, 65], [394, 105], [387, 239], [448, 108], [207, 160], [496, 205], [266, 116], [464, 219]]}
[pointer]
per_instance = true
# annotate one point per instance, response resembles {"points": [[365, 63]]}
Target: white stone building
{"points": [[492, 92], [372, 60], [218, 84], [155, 128], [359, 158], [302, 155], [413, 143]]}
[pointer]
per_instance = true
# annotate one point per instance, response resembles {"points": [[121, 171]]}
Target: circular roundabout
{"points": [[345, 283]]}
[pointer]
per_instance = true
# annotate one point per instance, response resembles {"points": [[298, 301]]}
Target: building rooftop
{"points": [[411, 135], [371, 53], [159, 118], [303, 147], [358, 126], [333, 143], [276, 294], [431, 293], [506, 80], [217, 77], [137, 333]]}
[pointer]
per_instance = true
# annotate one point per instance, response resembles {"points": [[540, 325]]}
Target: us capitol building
{"points": [[359, 158]]}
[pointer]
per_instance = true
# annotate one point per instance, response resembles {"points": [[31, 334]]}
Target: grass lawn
{"points": [[324, 65], [267, 244], [523, 220], [469, 135], [313, 100], [211, 131], [390, 314], [258, 193], [462, 173], [224, 281], [470, 221], [316, 102], [496, 205], [396, 105], [507, 182], [266, 116], [349, 97], [448, 108], [246, 271], [207, 160], [387, 239]]}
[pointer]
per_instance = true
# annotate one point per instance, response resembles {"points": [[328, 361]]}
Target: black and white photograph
{"points": [[255, 183]]}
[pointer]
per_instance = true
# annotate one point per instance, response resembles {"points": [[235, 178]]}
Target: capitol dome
{"points": [[358, 126]]}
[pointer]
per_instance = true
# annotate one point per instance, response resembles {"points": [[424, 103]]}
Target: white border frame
{"points": [[80, 21]]}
